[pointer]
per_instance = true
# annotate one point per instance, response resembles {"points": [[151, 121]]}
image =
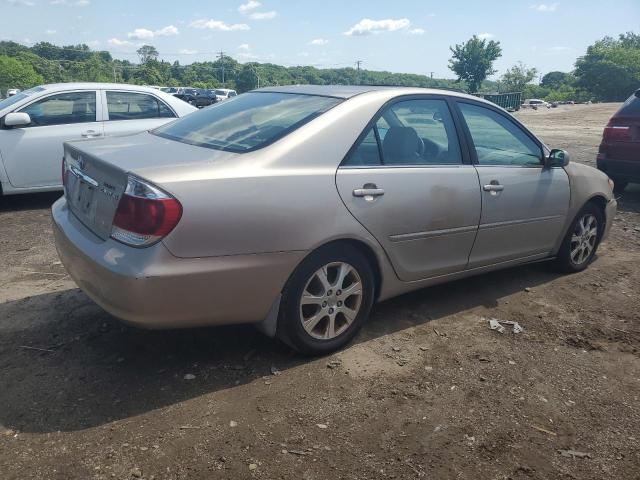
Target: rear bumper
{"points": [[627, 170], [151, 288]]}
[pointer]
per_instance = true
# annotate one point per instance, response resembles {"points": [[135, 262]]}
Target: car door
{"points": [[32, 154], [524, 203], [133, 112], [408, 181]]}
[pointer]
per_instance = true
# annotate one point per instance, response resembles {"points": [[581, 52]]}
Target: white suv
{"points": [[35, 123], [224, 93]]}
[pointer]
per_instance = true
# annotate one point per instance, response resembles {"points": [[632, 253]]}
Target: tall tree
{"points": [[556, 79], [16, 74], [610, 70], [472, 61], [517, 77], [147, 53]]}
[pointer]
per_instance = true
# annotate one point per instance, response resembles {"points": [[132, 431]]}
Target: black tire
{"points": [[619, 185], [290, 324], [564, 261]]}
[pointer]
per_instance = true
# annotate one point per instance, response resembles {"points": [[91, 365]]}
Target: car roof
{"points": [[55, 87], [348, 91]]}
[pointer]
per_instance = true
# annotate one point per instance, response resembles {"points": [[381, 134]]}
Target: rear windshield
{"points": [[631, 106], [247, 122]]}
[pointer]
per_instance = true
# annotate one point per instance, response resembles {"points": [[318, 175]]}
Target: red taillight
{"points": [[145, 214], [613, 133]]}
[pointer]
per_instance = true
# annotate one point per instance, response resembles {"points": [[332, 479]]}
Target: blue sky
{"points": [[401, 36]]}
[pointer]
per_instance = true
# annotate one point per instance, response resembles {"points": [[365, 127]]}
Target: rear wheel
{"points": [[582, 240], [326, 300]]}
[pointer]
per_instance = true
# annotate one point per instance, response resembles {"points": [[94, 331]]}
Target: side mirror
{"points": [[17, 119], [557, 158]]}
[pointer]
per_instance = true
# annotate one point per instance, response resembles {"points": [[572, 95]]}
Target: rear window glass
{"points": [[631, 106], [248, 121]]}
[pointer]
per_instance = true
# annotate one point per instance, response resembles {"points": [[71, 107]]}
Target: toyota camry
{"points": [[297, 208]]}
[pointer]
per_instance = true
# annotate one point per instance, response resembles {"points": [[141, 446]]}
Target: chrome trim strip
{"points": [[518, 222], [83, 176], [405, 237]]}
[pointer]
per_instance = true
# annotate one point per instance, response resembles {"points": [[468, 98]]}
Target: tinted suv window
{"points": [[63, 108], [497, 140], [630, 107], [248, 121], [135, 106], [412, 132]]}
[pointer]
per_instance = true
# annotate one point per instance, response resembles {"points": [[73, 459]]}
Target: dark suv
{"points": [[619, 153], [197, 97]]}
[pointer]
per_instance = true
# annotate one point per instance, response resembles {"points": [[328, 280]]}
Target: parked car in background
{"points": [[12, 91], [197, 97], [296, 208], [619, 152], [35, 123], [224, 93], [170, 90], [535, 103]]}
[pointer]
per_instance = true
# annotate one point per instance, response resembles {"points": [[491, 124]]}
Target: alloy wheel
{"points": [[584, 238], [331, 300]]}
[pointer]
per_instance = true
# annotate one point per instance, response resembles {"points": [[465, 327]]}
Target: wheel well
{"points": [[599, 202], [369, 254]]}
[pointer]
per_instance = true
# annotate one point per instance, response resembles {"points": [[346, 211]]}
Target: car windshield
{"points": [[7, 102], [247, 122]]}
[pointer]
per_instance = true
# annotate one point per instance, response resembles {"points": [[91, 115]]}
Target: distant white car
{"points": [[224, 93], [536, 103], [35, 123], [12, 91]]}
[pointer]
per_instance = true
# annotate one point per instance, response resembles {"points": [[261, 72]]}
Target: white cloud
{"points": [[218, 25], [247, 56], [485, 36], [244, 46], [21, 3], [417, 31], [188, 51], [145, 34], [247, 7], [93, 43], [560, 49], [71, 3], [367, 26], [319, 41], [543, 7], [50, 32], [115, 42], [263, 15]]}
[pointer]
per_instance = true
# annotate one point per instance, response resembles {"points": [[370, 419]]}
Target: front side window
{"points": [[411, 132], [248, 121], [63, 108], [499, 141], [136, 106]]}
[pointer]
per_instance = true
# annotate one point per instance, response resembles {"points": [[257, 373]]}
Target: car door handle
{"points": [[368, 192], [91, 134], [493, 188]]}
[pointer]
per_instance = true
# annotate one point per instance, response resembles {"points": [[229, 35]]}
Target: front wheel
{"points": [[581, 242], [326, 300]]}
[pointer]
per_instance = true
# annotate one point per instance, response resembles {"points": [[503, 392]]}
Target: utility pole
{"points": [[115, 79], [358, 64], [221, 55], [432, 74]]}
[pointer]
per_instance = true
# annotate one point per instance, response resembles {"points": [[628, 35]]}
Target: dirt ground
{"points": [[426, 390]]}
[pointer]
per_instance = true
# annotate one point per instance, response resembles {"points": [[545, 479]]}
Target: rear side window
{"points": [[411, 132], [62, 109], [499, 141], [136, 106], [248, 121], [630, 107]]}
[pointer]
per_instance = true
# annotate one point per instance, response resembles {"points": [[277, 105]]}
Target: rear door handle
{"points": [[368, 192], [91, 134], [493, 188]]}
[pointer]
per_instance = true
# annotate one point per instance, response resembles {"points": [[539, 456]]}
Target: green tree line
{"points": [[608, 71]]}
